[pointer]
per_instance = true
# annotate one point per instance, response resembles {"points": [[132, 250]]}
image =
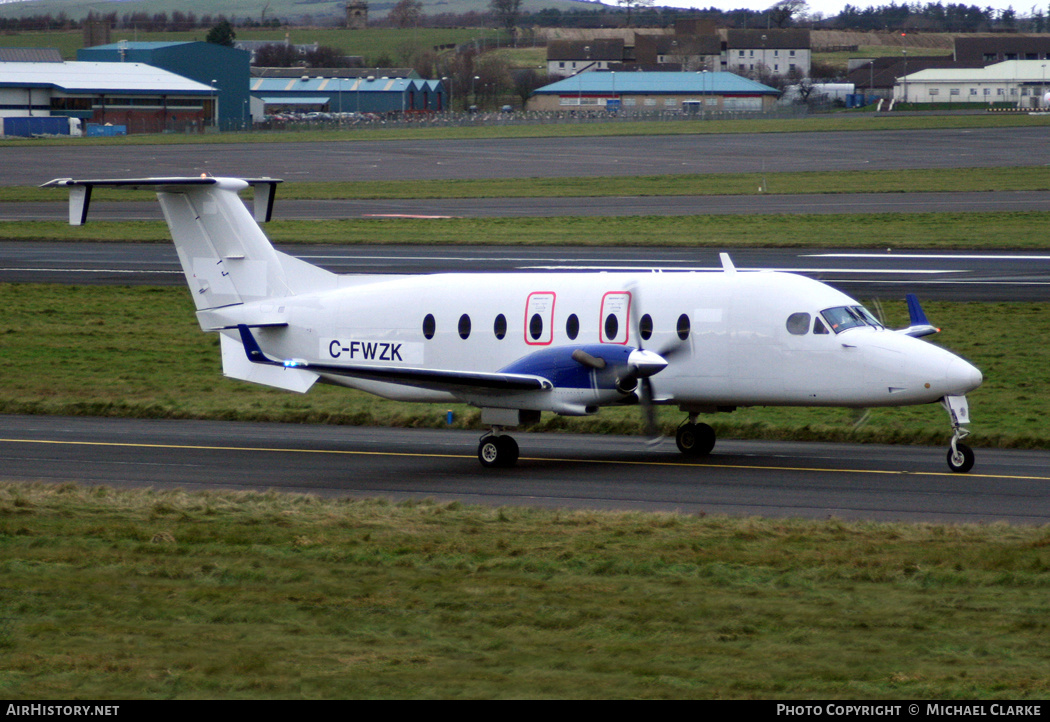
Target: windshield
{"points": [[841, 318]]}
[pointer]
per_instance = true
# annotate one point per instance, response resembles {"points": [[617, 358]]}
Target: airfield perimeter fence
{"points": [[346, 121]]}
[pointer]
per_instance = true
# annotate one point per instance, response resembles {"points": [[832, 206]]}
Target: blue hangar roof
{"points": [[639, 83], [307, 83]]}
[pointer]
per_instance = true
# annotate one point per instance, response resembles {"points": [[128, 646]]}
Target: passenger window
{"points": [[683, 327], [464, 326], [429, 326], [499, 327], [572, 327], [612, 326], [798, 324], [645, 327], [536, 326]]}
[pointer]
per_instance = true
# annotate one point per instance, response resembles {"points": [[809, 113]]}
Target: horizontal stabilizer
{"points": [[236, 366], [433, 379], [80, 191]]}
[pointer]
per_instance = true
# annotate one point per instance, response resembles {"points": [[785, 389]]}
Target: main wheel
{"points": [[695, 439], [497, 451], [960, 459]]}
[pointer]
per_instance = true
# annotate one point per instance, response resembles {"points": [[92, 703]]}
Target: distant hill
{"points": [[320, 12]]}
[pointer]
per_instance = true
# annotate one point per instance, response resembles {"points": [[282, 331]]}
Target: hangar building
{"points": [[1012, 83], [225, 71], [143, 98], [650, 92], [306, 93]]}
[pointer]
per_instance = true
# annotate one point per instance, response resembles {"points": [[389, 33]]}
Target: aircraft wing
{"points": [[435, 379]]}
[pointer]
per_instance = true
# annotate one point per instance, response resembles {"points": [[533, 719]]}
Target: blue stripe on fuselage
{"points": [[558, 366]]}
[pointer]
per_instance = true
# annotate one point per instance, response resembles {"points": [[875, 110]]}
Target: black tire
{"points": [[961, 459], [695, 439], [497, 451], [508, 451]]}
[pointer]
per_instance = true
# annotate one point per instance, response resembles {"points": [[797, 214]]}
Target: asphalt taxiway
{"points": [[365, 160], [935, 275], [771, 479]]}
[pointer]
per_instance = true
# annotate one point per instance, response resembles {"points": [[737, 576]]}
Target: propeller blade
{"points": [[582, 357], [652, 428]]}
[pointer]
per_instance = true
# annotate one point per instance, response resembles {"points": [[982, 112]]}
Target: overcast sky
{"points": [[833, 7]]}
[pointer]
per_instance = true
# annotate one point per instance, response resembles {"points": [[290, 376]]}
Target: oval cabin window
{"points": [[683, 327], [536, 326], [572, 327]]}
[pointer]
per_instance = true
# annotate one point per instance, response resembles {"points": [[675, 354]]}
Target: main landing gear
{"points": [[960, 456], [694, 439], [497, 450]]}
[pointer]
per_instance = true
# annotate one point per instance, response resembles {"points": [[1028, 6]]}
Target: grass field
{"points": [[1001, 230], [138, 594], [834, 123], [138, 352], [112, 594], [1024, 178]]}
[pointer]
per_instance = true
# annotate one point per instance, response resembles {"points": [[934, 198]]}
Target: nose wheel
{"points": [[497, 451], [960, 456]]}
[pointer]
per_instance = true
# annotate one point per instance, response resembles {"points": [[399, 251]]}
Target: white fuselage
{"points": [[735, 348]]}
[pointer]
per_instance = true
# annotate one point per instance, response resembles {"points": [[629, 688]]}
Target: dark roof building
{"points": [[768, 52], [878, 75], [225, 70], [981, 50], [568, 57], [642, 92], [30, 55]]}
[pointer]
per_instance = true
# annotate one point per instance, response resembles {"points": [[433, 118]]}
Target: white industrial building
{"points": [[141, 97], [1020, 83]]}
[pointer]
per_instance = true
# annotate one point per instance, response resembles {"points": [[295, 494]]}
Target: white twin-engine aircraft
{"points": [[518, 344]]}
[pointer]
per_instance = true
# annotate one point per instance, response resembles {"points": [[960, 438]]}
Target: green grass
{"points": [[138, 352], [371, 43], [116, 595], [1021, 178], [993, 230], [842, 122]]}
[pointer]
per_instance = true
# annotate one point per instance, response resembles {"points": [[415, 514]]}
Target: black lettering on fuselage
{"points": [[366, 350]]}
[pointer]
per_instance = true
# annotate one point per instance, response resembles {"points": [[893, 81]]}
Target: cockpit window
{"points": [[798, 324], [872, 321], [841, 318]]}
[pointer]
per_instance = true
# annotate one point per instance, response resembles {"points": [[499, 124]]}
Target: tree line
{"points": [[928, 17]]}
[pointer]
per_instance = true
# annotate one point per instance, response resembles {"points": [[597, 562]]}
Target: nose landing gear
{"points": [[960, 456]]}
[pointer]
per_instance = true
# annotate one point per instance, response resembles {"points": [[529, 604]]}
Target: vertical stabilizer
{"points": [[226, 257]]}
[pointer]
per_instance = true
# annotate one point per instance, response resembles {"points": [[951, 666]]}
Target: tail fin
{"points": [[225, 255], [919, 325]]}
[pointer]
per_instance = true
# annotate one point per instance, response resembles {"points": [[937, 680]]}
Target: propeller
{"points": [[644, 364]]}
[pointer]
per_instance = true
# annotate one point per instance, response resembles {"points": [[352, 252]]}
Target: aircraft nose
{"points": [[963, 377]]}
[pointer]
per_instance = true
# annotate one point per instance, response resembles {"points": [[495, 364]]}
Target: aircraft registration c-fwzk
{"points": [[519, 344]]}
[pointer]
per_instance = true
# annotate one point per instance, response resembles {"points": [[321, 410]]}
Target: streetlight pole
{"points": [[214, 104]]}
